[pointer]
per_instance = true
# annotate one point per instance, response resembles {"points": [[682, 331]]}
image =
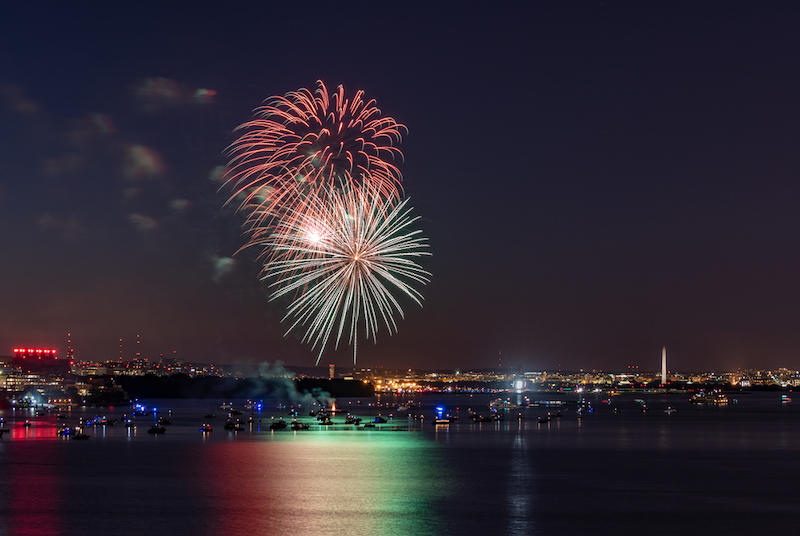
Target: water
{"points": [[722, 469]]}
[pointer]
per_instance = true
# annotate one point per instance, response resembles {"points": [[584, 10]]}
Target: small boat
{"points": [[210, 416], [206, 428], [233, 426], [162, 421], [299, 426], [26, 423], [440, 421], [369, 425], [278, 425], [80, 436], [155, 429], [352, 420], [235, 412], [670, 409], [499, 403], [102, 421], [380, 420], [709, 398], [542, 419], [65, 431]]}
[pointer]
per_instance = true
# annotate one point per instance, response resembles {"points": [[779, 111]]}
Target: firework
{"points": [[302, 145], [341, 257]]}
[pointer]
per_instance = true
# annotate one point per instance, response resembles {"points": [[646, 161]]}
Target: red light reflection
{"points": [[33, 489]]}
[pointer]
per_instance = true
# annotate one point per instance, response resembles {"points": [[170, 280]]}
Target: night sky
{"points": [[597, 179]]}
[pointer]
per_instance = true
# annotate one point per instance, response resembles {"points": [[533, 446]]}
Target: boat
{"points": [[500, 403], [352, 420], [299, 425], [80, 436], [206, 428], [670, 409], [441, 421], [380, 420], [709, 398], [233, 426], [155, 429], [278, 425], [162, 421], [480, 418], [369, 425], [102, 421], [65, 431], [542, 419], [139, 410]]}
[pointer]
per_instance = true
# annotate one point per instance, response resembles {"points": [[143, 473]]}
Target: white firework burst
{"points": [[342, 258]]}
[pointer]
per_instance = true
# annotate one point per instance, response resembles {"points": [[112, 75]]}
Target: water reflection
{"points": [[359, 482], [520, 489], [33, 491]]}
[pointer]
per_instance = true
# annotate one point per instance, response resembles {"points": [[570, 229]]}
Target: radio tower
{"points": [[70, 354]]}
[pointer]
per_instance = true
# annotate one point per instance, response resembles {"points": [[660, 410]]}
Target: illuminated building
{"points": [[40, 361]]}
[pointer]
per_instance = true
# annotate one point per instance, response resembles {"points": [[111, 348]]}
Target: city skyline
{"points": [[597, 181]]}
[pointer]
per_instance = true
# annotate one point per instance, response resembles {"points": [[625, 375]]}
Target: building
{"points": [[41, 361]]}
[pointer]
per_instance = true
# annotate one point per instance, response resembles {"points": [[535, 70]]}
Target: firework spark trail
{"points": [[302, 144], [340, 254]]}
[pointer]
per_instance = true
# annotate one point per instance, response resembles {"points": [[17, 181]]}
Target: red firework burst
{"points": [[302, 144]]}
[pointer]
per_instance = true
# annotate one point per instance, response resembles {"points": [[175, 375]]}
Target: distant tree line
{"points": [[185, 386]]}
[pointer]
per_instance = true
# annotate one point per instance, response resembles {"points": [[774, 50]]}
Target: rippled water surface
{"points": [[705, 469]]}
